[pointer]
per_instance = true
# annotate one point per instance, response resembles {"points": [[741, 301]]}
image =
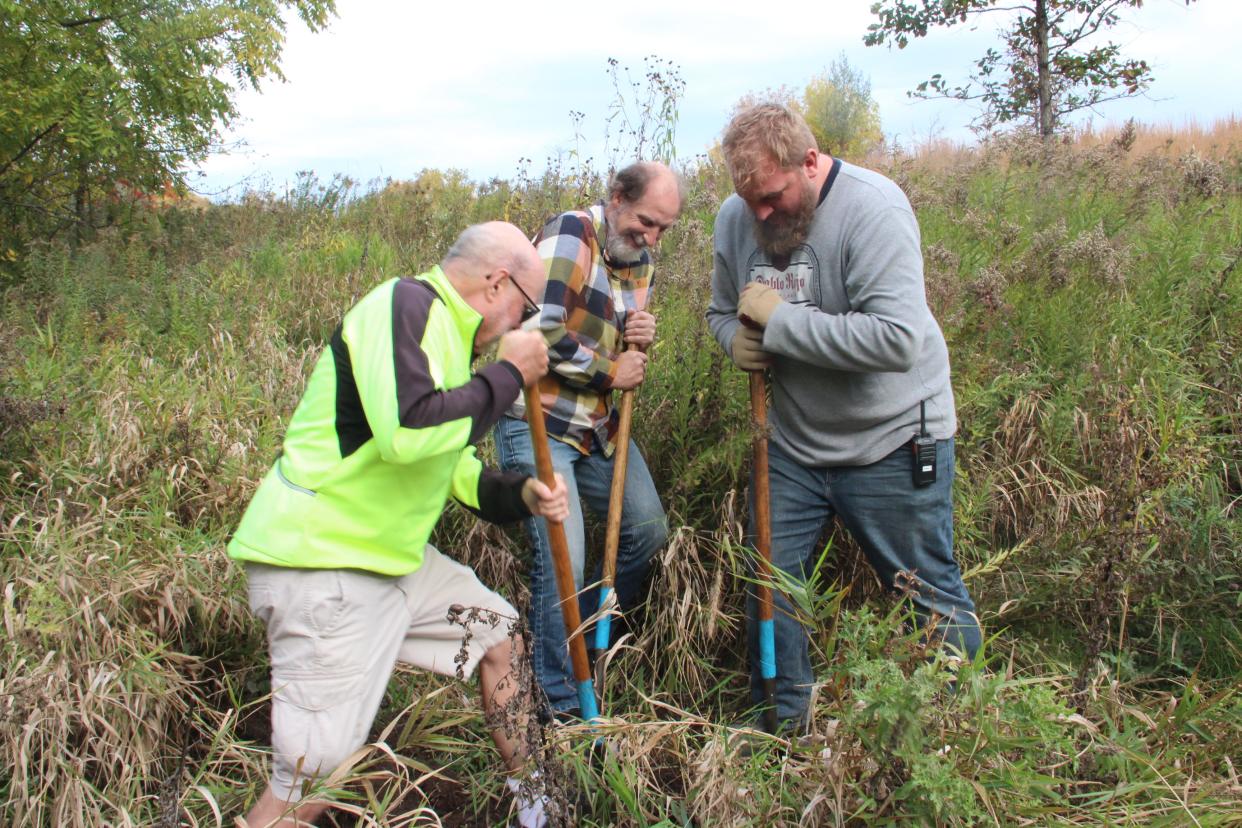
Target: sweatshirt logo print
{"points": [[793, 281]]}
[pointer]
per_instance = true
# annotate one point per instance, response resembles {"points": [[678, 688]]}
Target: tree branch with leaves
{"points": [[93, 93]]}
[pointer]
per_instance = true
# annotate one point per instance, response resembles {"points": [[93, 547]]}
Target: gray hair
{"points": [[630, 183]]}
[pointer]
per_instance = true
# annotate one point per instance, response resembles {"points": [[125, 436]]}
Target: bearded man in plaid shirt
{"points": [[593, 316]]}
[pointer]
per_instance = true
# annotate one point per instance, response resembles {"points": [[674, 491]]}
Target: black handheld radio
{"points": [[923, 447]]}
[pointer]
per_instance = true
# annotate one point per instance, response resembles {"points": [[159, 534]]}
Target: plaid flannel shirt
{"points": [[582, 317]]}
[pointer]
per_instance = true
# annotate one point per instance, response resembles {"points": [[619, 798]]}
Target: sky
{"points": [[391, 87]]}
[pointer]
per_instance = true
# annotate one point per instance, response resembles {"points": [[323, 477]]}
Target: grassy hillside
{"points": [[1090, 295]]}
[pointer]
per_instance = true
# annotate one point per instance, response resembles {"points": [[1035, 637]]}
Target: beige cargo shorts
{"points": [[334, 636]]}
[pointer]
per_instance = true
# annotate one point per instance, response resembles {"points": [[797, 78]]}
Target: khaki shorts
{"points": [[334, 636]]}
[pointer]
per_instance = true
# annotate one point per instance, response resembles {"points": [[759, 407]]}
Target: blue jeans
{"points": [[900, 528], [643, 531]]}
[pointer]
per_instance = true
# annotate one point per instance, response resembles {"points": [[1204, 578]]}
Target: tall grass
{"points": [[1090, 295]]}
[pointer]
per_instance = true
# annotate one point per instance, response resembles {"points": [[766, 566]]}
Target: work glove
{"points": [[747, 348], [757, 303]]}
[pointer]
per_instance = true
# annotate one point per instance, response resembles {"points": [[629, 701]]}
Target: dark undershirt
{"points": [[832, 176]]}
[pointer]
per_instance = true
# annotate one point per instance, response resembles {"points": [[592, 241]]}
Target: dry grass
{"points": [[1090, 295], [1219, 140]]}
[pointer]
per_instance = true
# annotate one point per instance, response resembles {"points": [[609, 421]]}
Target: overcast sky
{"points": [[394, 87]]}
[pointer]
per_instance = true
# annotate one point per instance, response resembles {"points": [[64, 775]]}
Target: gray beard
{"points": [[782, 237], [621, 251]]}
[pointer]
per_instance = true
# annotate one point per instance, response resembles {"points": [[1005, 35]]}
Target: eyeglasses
{"points": [[531, 308]]}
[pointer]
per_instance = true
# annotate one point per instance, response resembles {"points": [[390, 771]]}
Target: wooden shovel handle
{"points": [[565, 586], [616, 495], [763, 542]]}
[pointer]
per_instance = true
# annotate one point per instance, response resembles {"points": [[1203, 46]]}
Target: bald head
{"points": [[496, 270], [632, 183], [494, 245]]}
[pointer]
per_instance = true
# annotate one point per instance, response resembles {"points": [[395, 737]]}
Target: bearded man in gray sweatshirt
{"points": [[818, 279]]}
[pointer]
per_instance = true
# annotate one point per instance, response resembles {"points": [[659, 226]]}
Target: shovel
{"points": [[612, 538], [763, 541], [560, 562]]}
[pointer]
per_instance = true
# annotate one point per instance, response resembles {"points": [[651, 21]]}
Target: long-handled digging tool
{"points": [[560, 562], [763, 540], [612, 537]]}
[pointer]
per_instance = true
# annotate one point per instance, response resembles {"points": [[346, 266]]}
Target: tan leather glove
{"points": [[757, 303], [747, 348]]}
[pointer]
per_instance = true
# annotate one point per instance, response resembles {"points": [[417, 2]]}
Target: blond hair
{"points": [[763, 134]]}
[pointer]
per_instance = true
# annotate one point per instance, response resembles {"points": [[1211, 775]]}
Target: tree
{"points": [[1047, 68], [92, 93], [840, 111], [837, 106]]}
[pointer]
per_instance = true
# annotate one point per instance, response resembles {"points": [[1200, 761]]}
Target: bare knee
{"points": [[271, 811], [500, 656]]}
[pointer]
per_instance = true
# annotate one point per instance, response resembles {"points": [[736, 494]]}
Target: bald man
{"points": [[335, 540], [595, 320]]}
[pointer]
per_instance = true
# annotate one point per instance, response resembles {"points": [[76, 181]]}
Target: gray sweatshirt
{"points": [[855, 346]]}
